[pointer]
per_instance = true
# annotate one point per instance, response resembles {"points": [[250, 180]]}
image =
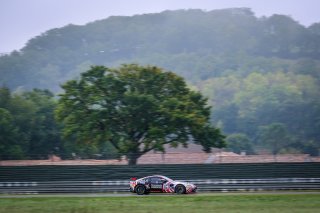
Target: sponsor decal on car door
{"points": [[156, 184]]}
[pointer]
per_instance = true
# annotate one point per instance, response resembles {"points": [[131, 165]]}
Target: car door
{"points": [[156, 184]]}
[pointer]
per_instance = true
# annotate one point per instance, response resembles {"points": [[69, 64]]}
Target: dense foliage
{"points": [[28, 129], [136, 109], [261, 102], [261, 75], [27, 126]]}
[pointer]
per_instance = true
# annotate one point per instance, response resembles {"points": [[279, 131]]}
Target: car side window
{"points": [[156, 180]]}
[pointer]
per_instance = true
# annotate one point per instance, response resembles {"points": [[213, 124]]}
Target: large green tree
{"points": [[137, 109]]}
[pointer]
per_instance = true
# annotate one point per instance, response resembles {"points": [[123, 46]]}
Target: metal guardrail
{"points": [[204, 185]]}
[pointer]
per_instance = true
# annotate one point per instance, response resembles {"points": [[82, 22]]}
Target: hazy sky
{"points": [[20, 20]]}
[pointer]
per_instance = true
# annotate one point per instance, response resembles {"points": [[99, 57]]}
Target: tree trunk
{"points": [[133, 158]]}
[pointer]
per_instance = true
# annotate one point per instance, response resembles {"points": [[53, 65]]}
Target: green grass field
{"points": [[206, 203]]}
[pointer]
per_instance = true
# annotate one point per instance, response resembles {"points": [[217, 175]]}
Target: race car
{"points": [[160, 183]]}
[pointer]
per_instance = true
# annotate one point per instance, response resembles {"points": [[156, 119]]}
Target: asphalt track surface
{"points": [[89, 195]]}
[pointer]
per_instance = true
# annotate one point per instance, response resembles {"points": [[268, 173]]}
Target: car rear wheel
{"points": [[180, 189], [141, 189]]}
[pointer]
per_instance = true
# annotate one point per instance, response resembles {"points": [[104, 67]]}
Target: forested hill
{"points": [[261, 74], [195, 44]]}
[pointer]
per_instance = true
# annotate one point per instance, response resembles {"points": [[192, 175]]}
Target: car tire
{"points": [[140, 189], [180, 189]]}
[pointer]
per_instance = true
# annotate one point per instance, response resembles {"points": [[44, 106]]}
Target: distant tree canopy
{"points": [[137, 109]]}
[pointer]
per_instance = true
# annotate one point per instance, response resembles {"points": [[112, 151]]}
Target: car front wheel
{"points": [[180, 189]]}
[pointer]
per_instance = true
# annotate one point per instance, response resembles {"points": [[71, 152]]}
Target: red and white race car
{"points": [[159, 183]]}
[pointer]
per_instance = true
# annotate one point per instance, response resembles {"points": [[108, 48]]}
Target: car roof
{"points": [[161, 176]]}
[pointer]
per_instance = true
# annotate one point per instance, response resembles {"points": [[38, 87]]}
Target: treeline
{"points": [[261, 75], [193, 43], [278, 111], [27, 125], [28, 129]]}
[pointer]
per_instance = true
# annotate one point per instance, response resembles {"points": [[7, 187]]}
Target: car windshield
{"points": [[168, 179]]}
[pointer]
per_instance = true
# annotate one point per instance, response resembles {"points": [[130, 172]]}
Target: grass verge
{"points": [[248, 203]]}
